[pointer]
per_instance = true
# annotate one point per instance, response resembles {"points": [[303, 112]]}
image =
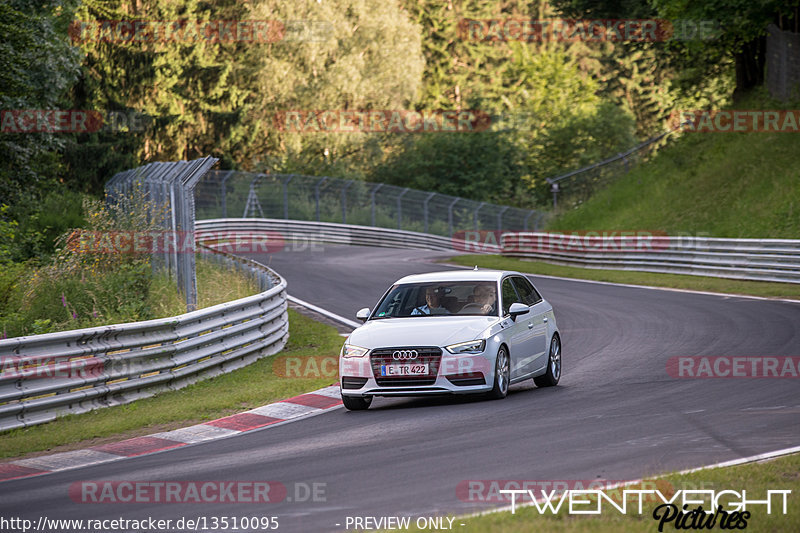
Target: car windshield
{"points": [[439, 299]]}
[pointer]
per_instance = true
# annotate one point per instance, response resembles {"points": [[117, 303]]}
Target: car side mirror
{"points": [[517, 309], [363, 314]]}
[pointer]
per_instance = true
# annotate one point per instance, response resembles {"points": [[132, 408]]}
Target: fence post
{"points": [[425, 209], [400, 209], [224, 192], [344, 201], [475, 215], [372, 200], [525, 223], [450, 215], [500, 218], [536, 222], [316, 193], [286, 197]]}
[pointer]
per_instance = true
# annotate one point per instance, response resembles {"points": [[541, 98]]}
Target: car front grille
{"points": [[430, 355]]}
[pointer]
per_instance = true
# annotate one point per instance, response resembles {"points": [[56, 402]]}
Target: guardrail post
{"points": [[425, 209], [400, 209], [372, 201]]}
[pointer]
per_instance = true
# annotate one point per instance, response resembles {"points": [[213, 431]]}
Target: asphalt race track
{"points": [[616, 415]]}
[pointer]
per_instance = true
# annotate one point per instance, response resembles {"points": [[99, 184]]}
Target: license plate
{"points": [[405, 369]]}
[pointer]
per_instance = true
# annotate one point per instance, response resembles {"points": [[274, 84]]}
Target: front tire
{"points": [[356, 403], [553, 374], [502, 375]]}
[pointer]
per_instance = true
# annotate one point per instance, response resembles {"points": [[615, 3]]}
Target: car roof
{"points": [[457, 275]]}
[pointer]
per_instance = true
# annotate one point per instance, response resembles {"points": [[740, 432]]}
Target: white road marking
{"points": [[324, 312], [284, 410], [193, 434], [69, 460]]}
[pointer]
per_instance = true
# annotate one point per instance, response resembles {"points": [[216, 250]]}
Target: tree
{"points": [[341, 55], [37, 66], [739, 38], [482, 166]]}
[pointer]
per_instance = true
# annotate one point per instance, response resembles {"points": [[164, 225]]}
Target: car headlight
{"points": [[476, 346], [351, 350]]}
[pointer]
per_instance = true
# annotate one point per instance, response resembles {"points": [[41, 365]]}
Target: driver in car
{"points": [[433, 305], [484, 296]]}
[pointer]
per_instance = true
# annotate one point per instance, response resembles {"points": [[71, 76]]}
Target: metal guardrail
{"points": [[45, 376], [747, 259], [327, 232]]}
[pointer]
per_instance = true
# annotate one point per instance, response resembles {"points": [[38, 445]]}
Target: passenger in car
{"points": [[433, 303]]}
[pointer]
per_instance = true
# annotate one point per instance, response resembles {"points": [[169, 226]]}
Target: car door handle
{"points": [[530, 325], [544, 319]]}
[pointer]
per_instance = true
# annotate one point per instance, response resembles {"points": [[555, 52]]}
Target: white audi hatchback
{"points": [[462, 332]]}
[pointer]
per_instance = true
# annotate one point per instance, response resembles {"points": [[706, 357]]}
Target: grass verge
{"points": [[755, 478], [215, 285], [675, 281], [224, 395], [715, 184]]}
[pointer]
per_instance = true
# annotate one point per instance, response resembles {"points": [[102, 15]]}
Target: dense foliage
{"points": [[554, 105]]}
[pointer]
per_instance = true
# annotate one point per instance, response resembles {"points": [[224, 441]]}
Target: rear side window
{"points": [[509, 295], [526, 291]]}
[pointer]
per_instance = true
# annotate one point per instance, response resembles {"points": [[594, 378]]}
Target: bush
{"points": [[77, 288], [484, 166]]}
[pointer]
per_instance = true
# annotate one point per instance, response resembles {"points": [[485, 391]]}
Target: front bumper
{"points": [[448, 374]]}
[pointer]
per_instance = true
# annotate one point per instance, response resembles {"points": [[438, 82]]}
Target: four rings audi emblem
{"points": [[404, 355]]}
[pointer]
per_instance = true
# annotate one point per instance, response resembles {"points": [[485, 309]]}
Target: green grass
{"points": [[215, 285], [738, 185], [31, 303], [677, 281], [756, 479], [243, 389]]}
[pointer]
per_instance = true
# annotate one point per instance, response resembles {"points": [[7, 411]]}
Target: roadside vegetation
{"points": [[755, 478], [738, 185], [247, 388], [74, 284], [554, 105]]}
